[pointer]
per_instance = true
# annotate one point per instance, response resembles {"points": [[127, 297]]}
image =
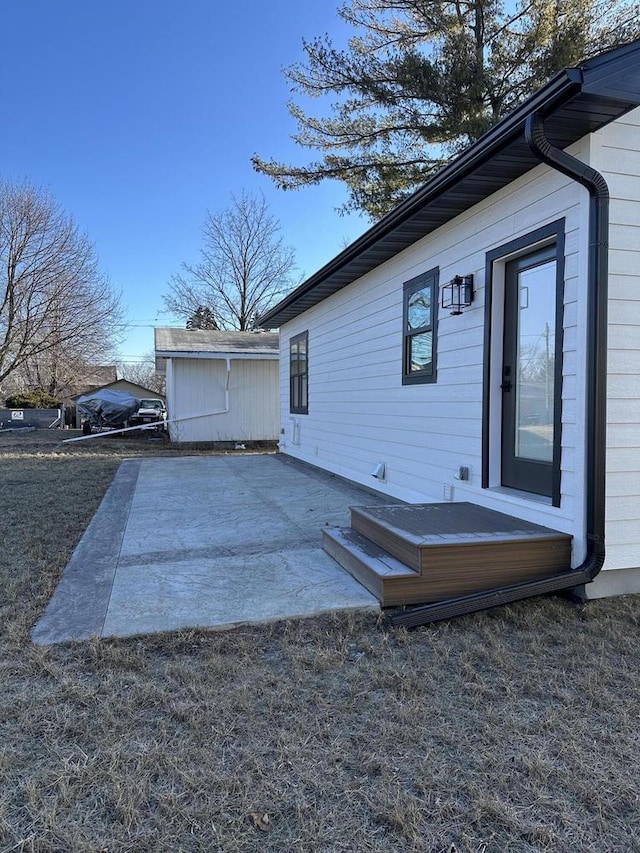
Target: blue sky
{"points": [[138, 116]]}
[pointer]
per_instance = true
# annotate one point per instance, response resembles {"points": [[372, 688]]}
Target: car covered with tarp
{"points": [[107, 409]]}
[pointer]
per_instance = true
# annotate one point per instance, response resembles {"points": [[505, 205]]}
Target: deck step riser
{"points": [[403, 550], [354, 563], [379, 572]]}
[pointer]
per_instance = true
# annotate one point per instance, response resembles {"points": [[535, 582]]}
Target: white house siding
{"points": [[618, 158], [196, 387], [361, 414]]}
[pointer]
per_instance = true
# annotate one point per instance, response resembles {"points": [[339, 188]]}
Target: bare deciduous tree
{"points": [[57, 371], [58, 312], [245, 266], [144, 373]]}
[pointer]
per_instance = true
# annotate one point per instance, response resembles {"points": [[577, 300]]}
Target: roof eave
{"points": [[256, 356]]}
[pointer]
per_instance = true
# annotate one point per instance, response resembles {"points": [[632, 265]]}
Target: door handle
{"points": [[506, 386]]}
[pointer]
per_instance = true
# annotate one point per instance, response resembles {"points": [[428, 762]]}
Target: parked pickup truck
{"points": [[150, 411]]}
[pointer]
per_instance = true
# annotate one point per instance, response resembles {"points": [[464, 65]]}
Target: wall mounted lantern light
{"points": [[458, 293]]}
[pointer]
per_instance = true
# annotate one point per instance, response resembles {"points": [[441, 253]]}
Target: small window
{"points": [[420, 317], [299, 374]]}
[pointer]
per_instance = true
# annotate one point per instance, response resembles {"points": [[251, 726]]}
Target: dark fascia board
{"points": [[613, 78]]}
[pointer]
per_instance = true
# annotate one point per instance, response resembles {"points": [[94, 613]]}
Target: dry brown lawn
{"points": [[513, 730]]}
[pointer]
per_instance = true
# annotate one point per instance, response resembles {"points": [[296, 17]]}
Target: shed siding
{"points": [[618, 158], [359, 411], [198, 388]]}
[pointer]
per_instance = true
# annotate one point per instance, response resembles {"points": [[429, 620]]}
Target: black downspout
{"points": [[597, 310], [596, 401]]}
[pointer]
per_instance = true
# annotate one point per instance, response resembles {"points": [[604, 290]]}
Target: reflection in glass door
{"points": [[530, 398], [535, 361]]}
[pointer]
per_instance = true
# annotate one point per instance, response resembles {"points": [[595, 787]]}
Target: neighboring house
{"points": [[117, 385], [94, 376], [221, 386], [500, 401]]}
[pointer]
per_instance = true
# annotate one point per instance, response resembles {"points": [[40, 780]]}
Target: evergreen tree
{"points": [[202, 318], [36, 399], [421, 79]]}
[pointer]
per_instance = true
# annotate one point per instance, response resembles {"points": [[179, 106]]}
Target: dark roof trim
{"points": [[578, 100]]}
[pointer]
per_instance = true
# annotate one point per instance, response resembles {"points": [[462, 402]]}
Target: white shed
{"points": [[457, 351], [221, 386]]}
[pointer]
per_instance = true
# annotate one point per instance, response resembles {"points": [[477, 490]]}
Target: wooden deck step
{"points": [[374, 568], [440, 551]]}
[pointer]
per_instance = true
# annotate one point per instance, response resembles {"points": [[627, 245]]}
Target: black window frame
{"points": [[296, 379], [420, 282]]}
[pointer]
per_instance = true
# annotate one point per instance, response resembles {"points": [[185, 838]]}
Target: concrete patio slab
{"points": [[209, 542]]}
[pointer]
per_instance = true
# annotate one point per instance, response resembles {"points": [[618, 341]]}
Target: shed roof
{"points": [[575, 102], [200, 343]]}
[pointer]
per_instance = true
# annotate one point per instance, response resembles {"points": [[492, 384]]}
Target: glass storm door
{"points": [[530, 396]]}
